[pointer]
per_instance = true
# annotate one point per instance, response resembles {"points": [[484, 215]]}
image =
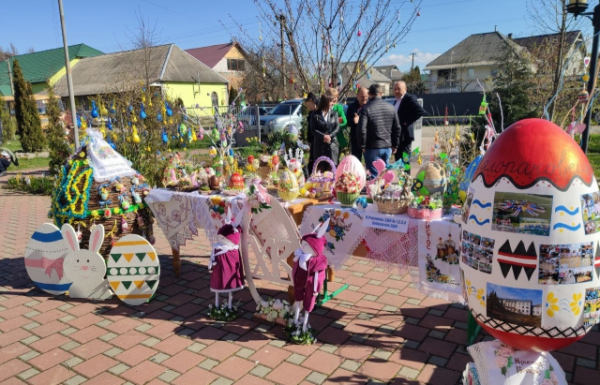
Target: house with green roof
{"points": [[43, 67]]}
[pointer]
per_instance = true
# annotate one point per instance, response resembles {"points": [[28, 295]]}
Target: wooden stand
{"points": [[176, 262]]}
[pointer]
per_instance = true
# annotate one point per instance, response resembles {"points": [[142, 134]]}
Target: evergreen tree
{"points": [[57, 143], [414, 84], [8, 125], [29, 125], [233, 93], [513, 85]]}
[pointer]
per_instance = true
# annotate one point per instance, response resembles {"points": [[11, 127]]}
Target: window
{"points": [[471, 73], [494, 72], [235, 65]]}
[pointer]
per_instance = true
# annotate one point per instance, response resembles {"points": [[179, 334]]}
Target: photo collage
{"points": [[591, 308], [522, 213], [566, 264], [590, 209], [477, 251]]}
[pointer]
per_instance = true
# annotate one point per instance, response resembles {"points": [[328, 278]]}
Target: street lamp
{"points": [[577, 7]]}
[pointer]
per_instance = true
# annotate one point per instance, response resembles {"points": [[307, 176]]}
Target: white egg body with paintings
{"points": [[133, 270], [44, 259], [529, 241]]}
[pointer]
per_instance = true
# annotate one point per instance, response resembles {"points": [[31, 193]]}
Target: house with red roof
{"points": [[228, 60]]}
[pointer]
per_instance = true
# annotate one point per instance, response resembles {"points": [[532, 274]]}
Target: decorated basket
{"points": [[347, 199], [322, 183], [387, 205], [118, 205], [418, 213]]}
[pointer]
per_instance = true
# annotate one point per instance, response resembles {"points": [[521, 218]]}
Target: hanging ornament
{"points": [[94, 112], [399, 18], [483, 106], [201, 133], [260, 31], [585, 78], [583, 96], [135, 137], [418, 12], [84, 124], [168, 109], [359, 33], [182, 129], [165, 137], [586, 61], [194, 137], [124, 224], [143, 112], [79, 233]]}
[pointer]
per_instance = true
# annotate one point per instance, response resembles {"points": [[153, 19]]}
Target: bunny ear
{"points": [[240, 215], [68, 233], [322, 228], [96, 238], [228, 216]]}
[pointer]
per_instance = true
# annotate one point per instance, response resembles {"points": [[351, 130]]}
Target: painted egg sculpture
{"points": [[133, 270], [44, 258], [430, 179], [529, 246], [351, 164], [288, 186]]}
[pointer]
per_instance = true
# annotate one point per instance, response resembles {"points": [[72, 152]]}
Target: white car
{"points": [[288, 112]]}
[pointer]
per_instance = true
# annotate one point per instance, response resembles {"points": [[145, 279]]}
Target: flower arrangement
{"points": [[347, 183], [222, 313], [431, 202], [276, 311], [295, 334]]}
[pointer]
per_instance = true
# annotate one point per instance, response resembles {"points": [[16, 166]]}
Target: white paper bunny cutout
{"points": [[86, 268], [302, 256], [294, 163]]}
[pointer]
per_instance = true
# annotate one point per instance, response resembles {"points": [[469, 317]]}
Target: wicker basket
{"points": [[322, 184], [347, 199], [79, 215], [391, 206], [288, 196]]}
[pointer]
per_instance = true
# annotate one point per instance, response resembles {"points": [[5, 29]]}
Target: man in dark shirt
{"points": [[409, 111], [378, 129], [352, 115], [311, 102]]}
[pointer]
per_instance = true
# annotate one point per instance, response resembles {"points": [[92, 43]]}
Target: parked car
{"points": [[283, 114]]}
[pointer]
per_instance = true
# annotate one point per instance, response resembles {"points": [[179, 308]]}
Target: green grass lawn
{"points": [[13, 145], [24, 164]]}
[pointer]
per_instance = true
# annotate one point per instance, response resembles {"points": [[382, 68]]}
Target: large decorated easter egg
{"points": [[288, 186], [133, 270], [529, 248], [44, 259], [351, 164], [430, 179]]}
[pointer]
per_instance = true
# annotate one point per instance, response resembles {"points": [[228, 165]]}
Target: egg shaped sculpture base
{"points": [[537, 344]]}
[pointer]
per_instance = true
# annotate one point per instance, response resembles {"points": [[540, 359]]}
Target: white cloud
{"points": [[403, 62]]}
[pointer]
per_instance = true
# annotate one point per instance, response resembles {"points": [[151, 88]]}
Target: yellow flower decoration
{"points": [[338, 213], [576, 304], [469, 287], [346, 215], [551, 304], [481, 297]]}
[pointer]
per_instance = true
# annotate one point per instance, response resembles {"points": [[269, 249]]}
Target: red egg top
{"points": [[531, 150]]}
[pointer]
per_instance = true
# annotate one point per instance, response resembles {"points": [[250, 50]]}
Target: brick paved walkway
{"points": [[381, 330]]}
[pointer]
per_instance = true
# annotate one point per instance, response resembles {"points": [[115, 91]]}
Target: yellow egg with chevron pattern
{"points": [[133, 270]]}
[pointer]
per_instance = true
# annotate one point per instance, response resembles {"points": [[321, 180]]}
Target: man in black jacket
{"points": [[409, 111], [311, 102], [352, 115], [378, 129]]}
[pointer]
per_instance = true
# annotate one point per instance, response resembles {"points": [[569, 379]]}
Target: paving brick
{"points": [[379, 369], [208, 364], [49, 343], [9, 352], [49, 328], [123, 325], [160, 357], [118, 369], [91, 349], [316, 378], [173, 345], [437, 347], [270, 356], [54, 376], [143, 372], [415, 333], [438, 376], [95, 366], [233, 368], [27, 374], [70, 346], [586, 376], [72, 362], [342, 376], [220, 350], [195, 376], [128, 340], [82, 322], [12, 368], [17, 335], [75, 380], [105, 379], [183, 361], [87, 334], [135, 355], [323, 362], [251, 380], [288, 374], [168, 376]]}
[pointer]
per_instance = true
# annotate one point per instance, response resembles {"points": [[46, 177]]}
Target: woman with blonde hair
{"points": [[325, 126]]}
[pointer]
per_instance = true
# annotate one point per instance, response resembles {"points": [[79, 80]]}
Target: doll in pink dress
{"points": [[227, 272], [309, 272]]}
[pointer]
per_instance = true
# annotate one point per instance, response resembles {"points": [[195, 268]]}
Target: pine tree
{"points": [[232, 94], [513, 85], [29, 125], [8, 125], [57, 143]]}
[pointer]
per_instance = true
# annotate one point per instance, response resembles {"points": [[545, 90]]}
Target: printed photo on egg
{"points": [[467, 206], [476, 239], [488, 243], [485, 267], [565, 264], [549, 261], [592, 294], [522, 213], [514, 305], [568, 276], [590, 210]]}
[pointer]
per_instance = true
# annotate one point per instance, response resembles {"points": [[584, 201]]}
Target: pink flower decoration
{"points": [[501, 361]]}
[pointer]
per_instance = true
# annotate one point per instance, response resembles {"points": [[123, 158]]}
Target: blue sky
{"points": [[535, 296], [108, 25]]}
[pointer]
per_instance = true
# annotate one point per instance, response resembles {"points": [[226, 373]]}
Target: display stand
{"points": [[325, 296], [473, 329]]}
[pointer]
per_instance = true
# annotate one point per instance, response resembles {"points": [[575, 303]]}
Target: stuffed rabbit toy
{"points": [[86, 268], [227, 272], [309, 271], [294, 163]]}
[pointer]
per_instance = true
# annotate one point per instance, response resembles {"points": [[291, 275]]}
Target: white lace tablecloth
{"points": [[180, 214]]}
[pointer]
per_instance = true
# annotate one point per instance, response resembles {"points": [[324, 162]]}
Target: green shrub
{"points": [[42, 185]]}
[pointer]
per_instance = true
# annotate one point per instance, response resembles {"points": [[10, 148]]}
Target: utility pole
{"points": [[281, 19], [12, 86], [69, 78], [412, 65]]}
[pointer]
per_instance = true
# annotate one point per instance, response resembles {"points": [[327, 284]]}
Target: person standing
{"points": [[362, 97], [378, 129], [311, 102], [325, 125], [409, 111], [337, 107]]}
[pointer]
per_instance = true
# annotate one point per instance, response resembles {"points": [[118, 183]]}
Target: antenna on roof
{"points": [[495, 28]]}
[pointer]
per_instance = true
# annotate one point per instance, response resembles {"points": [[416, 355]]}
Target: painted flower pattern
{"points": [[576, 304], [503, 358], [347, 183], [481, 297], [551, 304], [469, 287]]}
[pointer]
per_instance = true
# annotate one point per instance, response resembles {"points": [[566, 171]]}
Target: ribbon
{"points": [[302, 258], [48, 264], [262, 194]]}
